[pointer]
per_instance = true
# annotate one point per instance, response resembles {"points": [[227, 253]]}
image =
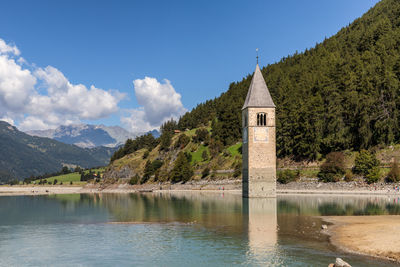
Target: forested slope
{"points": [[22, 155], [342, 94]]}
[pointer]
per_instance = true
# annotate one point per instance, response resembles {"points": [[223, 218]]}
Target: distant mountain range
{"points": [[89, 136], [22, 155]]}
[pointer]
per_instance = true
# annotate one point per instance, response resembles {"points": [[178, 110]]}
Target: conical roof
{"points": [[258, 94]]}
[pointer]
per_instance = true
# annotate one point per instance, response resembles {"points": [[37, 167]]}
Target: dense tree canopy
{"points": [[341, 94], [145, 141]]}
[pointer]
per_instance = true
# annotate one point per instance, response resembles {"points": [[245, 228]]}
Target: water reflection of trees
{"points": [[287, 207], [219, 209], [348, 210], [206, 209], [338, 206], [393, 209]]}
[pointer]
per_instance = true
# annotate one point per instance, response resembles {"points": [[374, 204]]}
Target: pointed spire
{"points": [[258, 94]]}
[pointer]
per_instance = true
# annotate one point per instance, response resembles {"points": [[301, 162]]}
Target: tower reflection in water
{"points": [[260, 218]]}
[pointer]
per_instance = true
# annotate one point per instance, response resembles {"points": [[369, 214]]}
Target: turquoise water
{"points": [[179, 229]]}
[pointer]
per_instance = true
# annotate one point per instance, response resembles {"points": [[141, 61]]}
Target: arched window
{"points": [[261, 119]]}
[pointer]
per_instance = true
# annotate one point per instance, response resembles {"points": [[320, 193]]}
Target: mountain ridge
{"points": [[23, 155], [88, 135]]}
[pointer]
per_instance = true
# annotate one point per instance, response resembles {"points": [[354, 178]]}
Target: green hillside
{"points": [[74, 177], [23, 155], [342, 94], [156, 162], [66, 179]]}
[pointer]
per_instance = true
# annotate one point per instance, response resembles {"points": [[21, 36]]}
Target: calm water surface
{"points": [[176, 229]]}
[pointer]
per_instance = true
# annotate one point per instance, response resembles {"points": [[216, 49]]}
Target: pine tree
{"points": [[182, 170], [148, 171]]}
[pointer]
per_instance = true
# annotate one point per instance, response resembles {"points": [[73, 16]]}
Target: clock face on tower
{"points": [[261, 134]]}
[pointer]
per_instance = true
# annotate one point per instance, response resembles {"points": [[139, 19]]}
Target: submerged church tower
{"points": [[259, 144]]}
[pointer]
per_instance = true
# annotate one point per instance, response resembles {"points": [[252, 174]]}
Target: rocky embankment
{"points": [[233, 185], [300, 187], [355, 187], [225, 184]]}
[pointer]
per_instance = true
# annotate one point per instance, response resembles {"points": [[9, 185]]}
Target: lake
{"points": [[177, 229]]}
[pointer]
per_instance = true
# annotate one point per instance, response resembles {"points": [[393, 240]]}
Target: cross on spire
{"points": [[257, 55]]}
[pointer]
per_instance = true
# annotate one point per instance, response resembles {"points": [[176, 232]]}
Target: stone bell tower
{"points": [[259, 144]]}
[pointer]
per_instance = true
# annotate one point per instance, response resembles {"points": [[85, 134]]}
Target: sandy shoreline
{"points": [[376, 236]]}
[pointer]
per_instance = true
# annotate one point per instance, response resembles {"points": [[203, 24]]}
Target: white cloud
{"points": [[136, 121], [77, 100], [159, 102], [7, 48], [7, 119], [35, 123], [43, 98], [16, 84], [62, 102]]}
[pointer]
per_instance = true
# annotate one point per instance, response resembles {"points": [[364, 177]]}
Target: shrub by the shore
{"points": [[349, 176], [374, 175], [394, 173], [364, 162], [333, 168], [288, 176]]}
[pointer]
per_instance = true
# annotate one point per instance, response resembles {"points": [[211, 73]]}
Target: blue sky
{"points": [[200, 47]]}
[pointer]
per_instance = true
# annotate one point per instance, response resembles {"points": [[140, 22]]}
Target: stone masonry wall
{"points": [[259, 156]]}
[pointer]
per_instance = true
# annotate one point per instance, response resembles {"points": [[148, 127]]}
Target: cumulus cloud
{"points": [[36, 98], [7, 119], [159, 102], [8, 48], [16, 84], [136, 121], [75, 100], [62, 103]]}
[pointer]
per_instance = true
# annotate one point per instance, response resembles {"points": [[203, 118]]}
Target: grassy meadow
{"points": [[74, 177]]}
